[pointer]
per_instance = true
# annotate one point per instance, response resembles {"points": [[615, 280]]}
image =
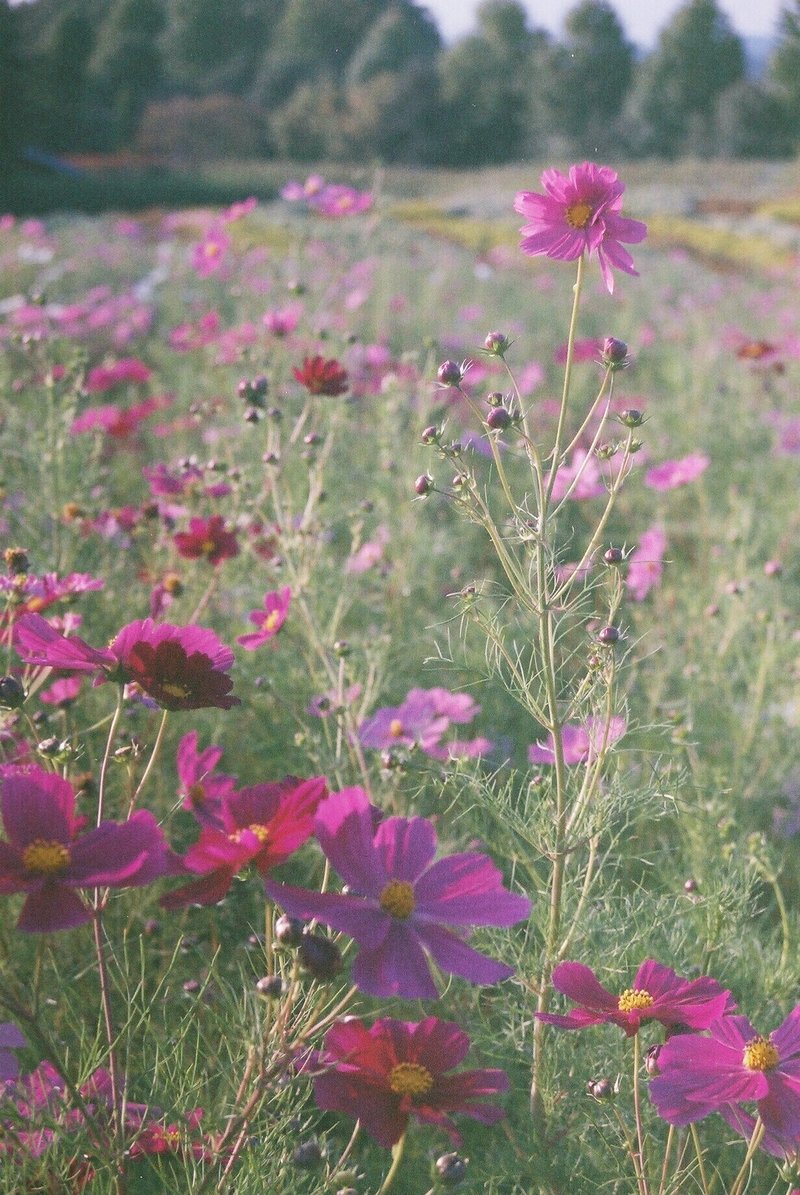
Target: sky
{"points": [[641, 19]]}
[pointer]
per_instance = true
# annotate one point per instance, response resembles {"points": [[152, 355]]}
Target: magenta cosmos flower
{"points": [[269, 620], [657, 994], [386, 1073], [11, 1038], [201, 786], [581, 742], [733, 1065], [180, 668], [646, 564], [580, 214], [261, 826], [401, 905], [421, 720], [45, 856]]}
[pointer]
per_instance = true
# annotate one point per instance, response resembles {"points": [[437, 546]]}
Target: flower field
{"points": [[399, 765]]}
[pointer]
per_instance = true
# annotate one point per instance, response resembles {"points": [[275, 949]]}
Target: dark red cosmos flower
{"points": [[181, 668], [207, 539], [261, 825], [321, 376], [385, 1074]]}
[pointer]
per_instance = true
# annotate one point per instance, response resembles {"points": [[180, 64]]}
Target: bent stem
{"points": [[740, 1182]]}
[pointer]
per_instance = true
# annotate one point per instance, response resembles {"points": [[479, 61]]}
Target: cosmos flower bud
{"points": [[430, 435], [601, 1089], [271, 986], [423, 484], [288, 930], [449, 1170], [631, 418], [307, 1155], [319, 956], [12, 694], [16, 560], [609, 636], [651, 1060], [497, 343], [614, 353], [613, 556], [499, 418], [450, 373]]}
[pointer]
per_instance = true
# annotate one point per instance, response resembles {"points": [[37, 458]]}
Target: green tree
{"points": [[217, 45], [784, 69], [402, 36], [485, 87], [11, 83], [67, 54], [751, 123], [672, 105], [590, 75], [312, 40], [127, 65]]}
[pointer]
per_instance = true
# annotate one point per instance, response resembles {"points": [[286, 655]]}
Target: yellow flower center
{"points": [[175, 690], [578, 215], [207, 546], [261, 833], [395, 728], [272, 620], [397, 899], [45, 858], [633, 998], [760, 1054], [409, 1078]]}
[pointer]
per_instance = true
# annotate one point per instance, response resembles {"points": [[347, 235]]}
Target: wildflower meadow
{"points": [[400, 779]]}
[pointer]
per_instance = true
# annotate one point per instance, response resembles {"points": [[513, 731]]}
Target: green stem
{"points": [[573, 325], [699, 1155], [637, 1111], [397, 1157], [151, 761]]}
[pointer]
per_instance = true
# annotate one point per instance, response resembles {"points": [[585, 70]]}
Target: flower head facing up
{"points": [[402, 906], [656, 994], [268, 620], [207, 539], [387, 1073], [580, 213], [180, 668], [321, 376], [261, 825], [45, 856], [699, 1075]]}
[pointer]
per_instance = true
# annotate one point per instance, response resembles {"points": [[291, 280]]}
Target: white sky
{"points": [[641, 19]]}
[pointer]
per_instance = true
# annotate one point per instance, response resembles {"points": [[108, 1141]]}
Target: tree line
{"points": [[372, 79]]}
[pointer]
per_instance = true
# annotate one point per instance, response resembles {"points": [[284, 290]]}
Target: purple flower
{"points": [[401, 904], [734, 1065], [646, 564], [11, 1039], [421, 720], [202, 788], [657, 994], [269, 620], [671, 474], [580, 214], [582, 742], [45, 857]]}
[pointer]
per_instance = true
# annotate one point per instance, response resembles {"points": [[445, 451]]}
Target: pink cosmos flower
{"points": [[121, 423], [734, 1065], [236, 211], [106, 377], [421, 720], [657, 994], [370, 553], [337, 200], [293, 191], [582, 742], [671, 474], [208, 255], [11, 1038], [588, 349], [62, 692], [391, 1071], [207, 539], [30, 594], [269, 620], [646, 564], [580, 214], [44, 856], [203, 788], [585, 472], [283, 320], [262, 825], [181, 668], [401, 904]]}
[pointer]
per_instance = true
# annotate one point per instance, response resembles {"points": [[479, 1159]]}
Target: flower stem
{"points": [[397, 1157], [637, 1111], [740, 1182]]}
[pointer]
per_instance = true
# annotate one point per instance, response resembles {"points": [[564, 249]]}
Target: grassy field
{"points": [[230, 419]]}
